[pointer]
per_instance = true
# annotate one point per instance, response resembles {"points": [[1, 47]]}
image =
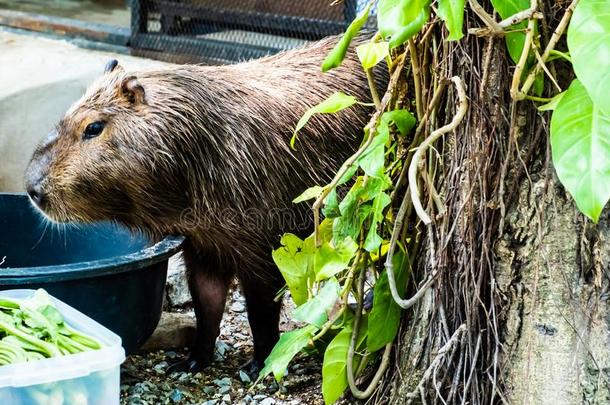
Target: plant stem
{"points": [[561, 27], [514, 88], [372, 127], [385, 360], [416, 79], [461, 112]]}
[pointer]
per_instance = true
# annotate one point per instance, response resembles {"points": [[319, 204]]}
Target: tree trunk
{"points": [[518, 312]]}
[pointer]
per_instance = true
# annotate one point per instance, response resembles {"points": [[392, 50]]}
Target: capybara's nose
{"points": [[35, 192]]}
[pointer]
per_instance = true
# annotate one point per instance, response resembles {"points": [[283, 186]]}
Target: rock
{"points": [[267, 401], [260, 397], [225, 389], [175, 331], [244, 377], [208, 390], [238, 307], [176, 395], [226, 399], [223, 382], [177, 290]]}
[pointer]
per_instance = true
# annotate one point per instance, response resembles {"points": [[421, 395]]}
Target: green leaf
{"points": [[371, 53], [399, 20], [315, 311], [331, 205], [551, 105], [285, 349], [372, 160], [334, 367], [336, 102], [329, 259], [580, 143], [311, 192], [589, 44], [515, 37], [452, 12], [384, 318], [295, 260], [373, 240], [336, 56], [403, 119], [353, 208]]}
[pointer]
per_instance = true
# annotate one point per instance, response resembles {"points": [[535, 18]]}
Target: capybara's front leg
{"points": [[208, 286]]}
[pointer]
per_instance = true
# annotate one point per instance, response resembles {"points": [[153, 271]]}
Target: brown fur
{"points": [[203, 151]]}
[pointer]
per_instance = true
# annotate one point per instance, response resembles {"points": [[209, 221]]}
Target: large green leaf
{"points": [[580, 141], [315, 311], [334, 367], [452, 12], [384, 318], [399, 20], [285, 349], [515, 38], [589, 44], [336, 56], [295, 261], [334, 103]]}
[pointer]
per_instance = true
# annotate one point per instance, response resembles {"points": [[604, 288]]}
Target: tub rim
{"points": [[143, 258]]}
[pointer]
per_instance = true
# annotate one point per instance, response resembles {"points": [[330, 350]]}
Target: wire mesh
{"points": [[229, 31]]}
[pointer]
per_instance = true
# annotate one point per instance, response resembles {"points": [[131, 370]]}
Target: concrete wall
{"points": [[39, 79]]}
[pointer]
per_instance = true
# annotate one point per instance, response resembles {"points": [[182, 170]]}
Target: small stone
{"points": [[226, 399], [210, 402], [224, 389], [176, 395], [247, 399], [238, 307], [267, 401], [170, 354], [223, 382], [209, 390], [260, 397], [244, 377]]}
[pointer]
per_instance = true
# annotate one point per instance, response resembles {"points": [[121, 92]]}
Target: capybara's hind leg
{"points": [[260, 290], [208, 289]]}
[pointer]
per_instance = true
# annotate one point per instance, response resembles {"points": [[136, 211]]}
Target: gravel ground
{"points": [[144, 379]]}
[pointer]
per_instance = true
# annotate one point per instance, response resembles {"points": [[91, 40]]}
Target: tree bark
{"points": [[518, 313]]}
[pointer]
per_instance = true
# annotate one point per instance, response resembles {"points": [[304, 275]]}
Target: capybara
{"points": [[204, 151]]}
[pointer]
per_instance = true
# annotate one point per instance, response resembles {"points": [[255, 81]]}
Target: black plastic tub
{"points": [[102, 270]]}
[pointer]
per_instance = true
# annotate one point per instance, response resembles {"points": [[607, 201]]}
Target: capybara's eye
{"points": [[93, 129]]}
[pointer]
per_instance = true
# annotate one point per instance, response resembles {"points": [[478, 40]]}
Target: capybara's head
{"points": [[105, 158]]}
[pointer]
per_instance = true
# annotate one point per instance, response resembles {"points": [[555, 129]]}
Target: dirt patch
{"points": [[144, 379]]}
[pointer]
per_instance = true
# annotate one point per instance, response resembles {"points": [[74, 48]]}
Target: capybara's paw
{"points": [[253, 368], [189, 365]]}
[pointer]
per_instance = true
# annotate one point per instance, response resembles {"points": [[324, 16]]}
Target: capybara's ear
{"points": [[132, 90], [111, 65]]}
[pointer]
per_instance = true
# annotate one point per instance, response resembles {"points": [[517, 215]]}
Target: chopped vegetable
{"points": [[33, 329]]}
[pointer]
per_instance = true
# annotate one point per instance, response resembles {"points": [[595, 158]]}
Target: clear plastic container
{"points": [[88, 378]]}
